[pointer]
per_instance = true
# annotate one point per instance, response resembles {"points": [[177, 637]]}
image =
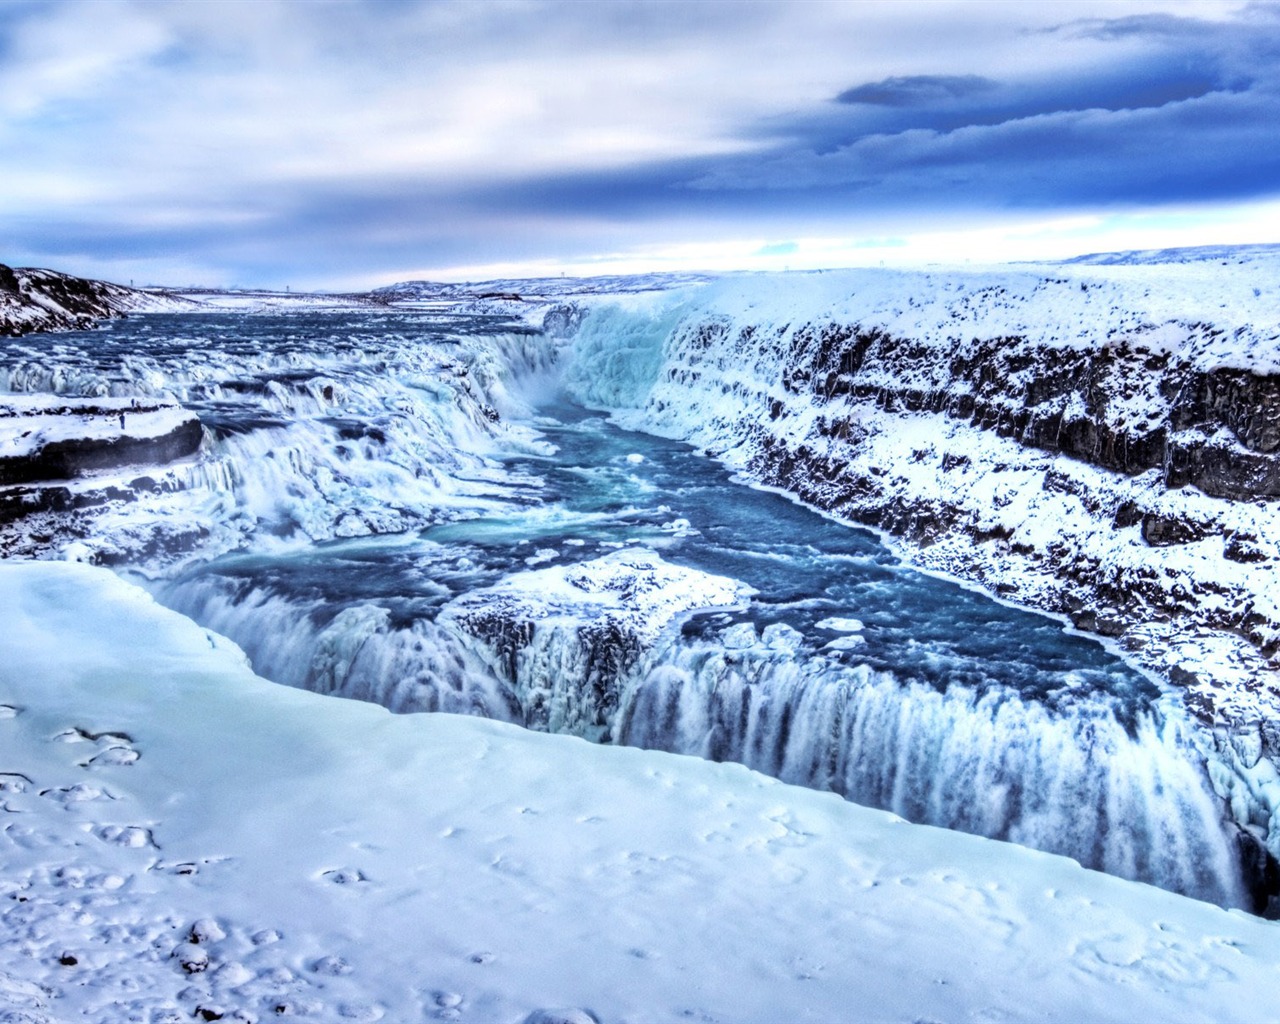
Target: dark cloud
{"points": [[1152, 80], [915, 90], [1191, 116], [1211, 148]]}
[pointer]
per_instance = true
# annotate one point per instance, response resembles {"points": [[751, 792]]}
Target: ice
{"points": [[499, 861], [841, 625]]}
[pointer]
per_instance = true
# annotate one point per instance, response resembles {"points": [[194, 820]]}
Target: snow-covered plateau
{"points": [[525, 502]]}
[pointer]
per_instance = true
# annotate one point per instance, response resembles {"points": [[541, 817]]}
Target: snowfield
{"points": [[183, 840]]}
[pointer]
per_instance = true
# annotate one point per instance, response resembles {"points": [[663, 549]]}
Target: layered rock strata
{"points": [[62, 458]]}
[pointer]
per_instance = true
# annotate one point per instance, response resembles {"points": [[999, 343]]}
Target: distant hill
{"points": [[45, 300], [536, 287], [1189, 254]]}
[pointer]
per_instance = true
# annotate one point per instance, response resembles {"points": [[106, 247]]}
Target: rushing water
{"points": [[846, 671]]}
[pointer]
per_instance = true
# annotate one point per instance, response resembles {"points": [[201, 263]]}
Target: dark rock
{"points": [[563, 321], [1260, 873], [1127, 514], [1164, 531], [1244, 548], [1007, 386]]}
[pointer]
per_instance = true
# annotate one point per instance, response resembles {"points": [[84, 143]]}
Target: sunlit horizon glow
{"points": [[353, 144]]}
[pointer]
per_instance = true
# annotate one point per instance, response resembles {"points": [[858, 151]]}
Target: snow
{"points": [[29, 423], [1218, 318], [322, 859], [256, 300], [634, 585]]}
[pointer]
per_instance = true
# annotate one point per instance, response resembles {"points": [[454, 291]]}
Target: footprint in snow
{"points": [[132, 836], [562, 1016], [205, 931], [112, 757], [115, 749], [9, 711], [81, 792], [361, 1011], [334, 966], [344, 876], [78, 735]]}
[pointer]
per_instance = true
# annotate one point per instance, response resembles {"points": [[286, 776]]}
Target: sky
{"points": [[351, 144]]}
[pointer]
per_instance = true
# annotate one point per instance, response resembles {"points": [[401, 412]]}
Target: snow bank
{"points": [[181, 836]]}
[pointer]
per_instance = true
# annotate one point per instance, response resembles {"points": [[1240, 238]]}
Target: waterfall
{"points": [[1125, 800], [1121, 793], [361, 652]]}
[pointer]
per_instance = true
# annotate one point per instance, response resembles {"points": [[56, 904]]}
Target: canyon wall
{"points": [[1100, 442]]}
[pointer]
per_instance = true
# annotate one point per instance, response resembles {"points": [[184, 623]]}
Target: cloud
{"points": [[264, 139], [1183, 110], [915, 90]]}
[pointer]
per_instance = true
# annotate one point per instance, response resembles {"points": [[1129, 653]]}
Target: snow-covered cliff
{"points": [[1099, 441]]}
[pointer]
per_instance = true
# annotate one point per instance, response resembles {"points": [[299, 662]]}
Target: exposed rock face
{"points": [[1125, 406], [44, 300]]}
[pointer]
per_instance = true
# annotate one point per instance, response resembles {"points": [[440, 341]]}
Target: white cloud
{"points": [[173, 115]]}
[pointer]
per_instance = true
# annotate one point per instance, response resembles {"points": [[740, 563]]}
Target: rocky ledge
{"points": [[61, 457], [565, 637]]}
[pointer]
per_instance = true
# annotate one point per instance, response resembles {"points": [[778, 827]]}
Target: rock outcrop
{"points": [[565, 638], [64, 459]]}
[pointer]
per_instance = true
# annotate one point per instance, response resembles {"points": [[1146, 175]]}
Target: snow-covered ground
{"points": [[181, 839], [34, 422]]}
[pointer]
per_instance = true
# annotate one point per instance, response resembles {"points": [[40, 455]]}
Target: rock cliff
{"points": [[1102, 443]]}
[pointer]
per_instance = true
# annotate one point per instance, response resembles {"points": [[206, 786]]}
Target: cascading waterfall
{"points": [[1116, 791], [360, 652], [1127, 801]]}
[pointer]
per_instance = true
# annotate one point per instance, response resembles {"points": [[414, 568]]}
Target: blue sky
{"points": [[349, 144]]}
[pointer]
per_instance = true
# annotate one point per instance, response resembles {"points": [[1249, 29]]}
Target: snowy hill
{"points": [[538, 287], [45, 300], [1222, 254]]}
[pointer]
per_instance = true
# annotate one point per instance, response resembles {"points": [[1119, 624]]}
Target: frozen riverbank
{"points": [[337, 862]]}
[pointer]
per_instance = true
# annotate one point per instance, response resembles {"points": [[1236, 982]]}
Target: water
{"points": [[846, 671]]}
